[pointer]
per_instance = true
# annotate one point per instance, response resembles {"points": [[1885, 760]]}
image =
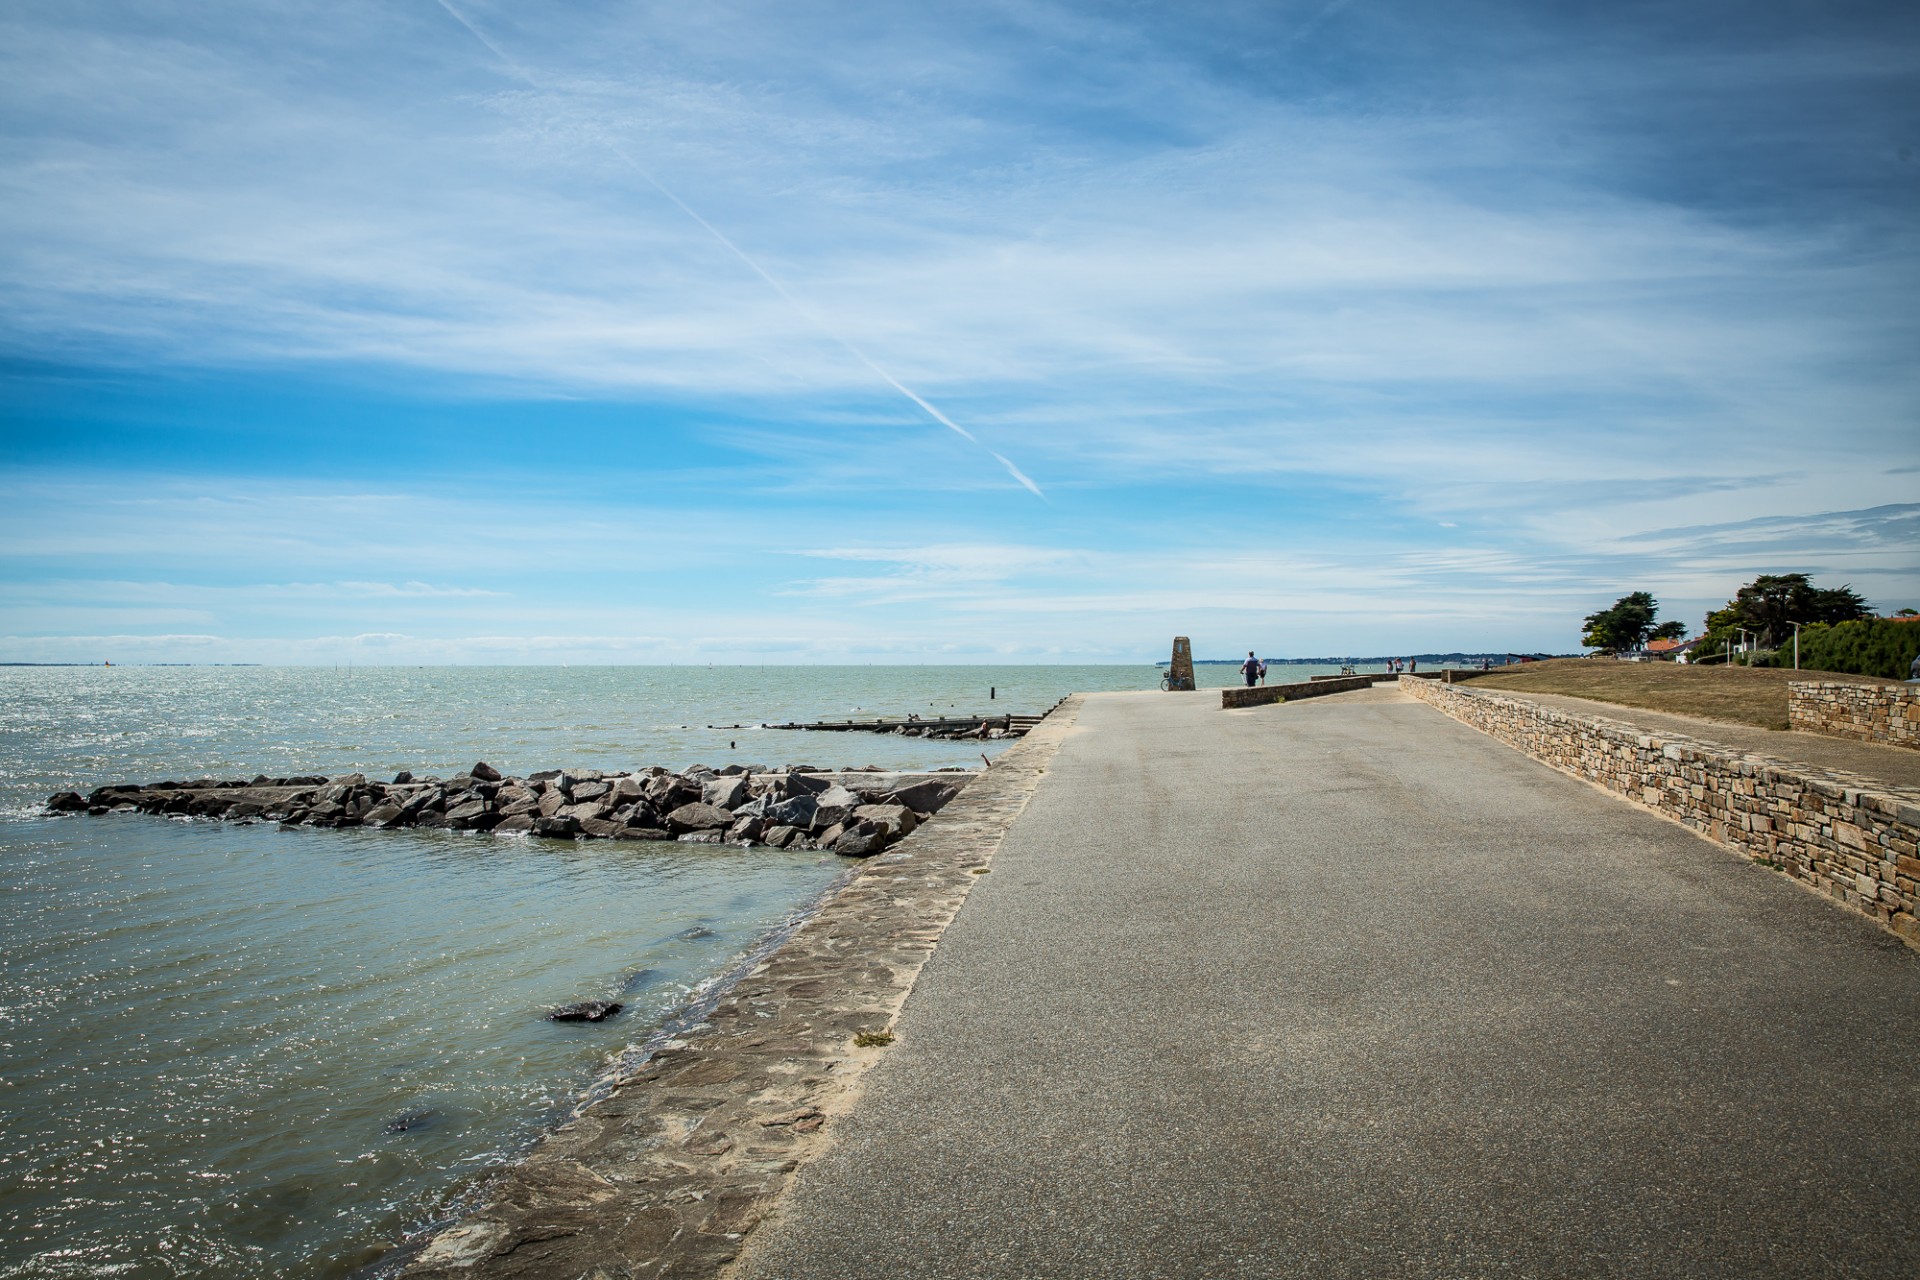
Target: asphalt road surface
{"points": [[1345, 988]]}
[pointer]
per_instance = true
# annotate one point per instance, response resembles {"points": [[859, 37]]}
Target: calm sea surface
{"points": [[238, 1051]]}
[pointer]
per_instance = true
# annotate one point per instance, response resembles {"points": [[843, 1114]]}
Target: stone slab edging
{"points": [[683, 1153], [1885, 714], [1850, 838]]}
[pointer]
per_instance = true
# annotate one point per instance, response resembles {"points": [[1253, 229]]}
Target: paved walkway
{"points": [[1345, 988], [1897, 765]]}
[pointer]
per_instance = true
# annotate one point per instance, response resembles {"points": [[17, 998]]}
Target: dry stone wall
{"points": [[1884, 713], [1262, 694], [1851, 839]]}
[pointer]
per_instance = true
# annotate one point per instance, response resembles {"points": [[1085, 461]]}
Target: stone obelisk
{"points": [[1180, 670]]}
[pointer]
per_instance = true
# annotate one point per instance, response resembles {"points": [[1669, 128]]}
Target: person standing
{"points": [[1250, 668]]}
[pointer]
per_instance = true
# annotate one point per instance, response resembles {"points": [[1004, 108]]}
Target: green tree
{"points": [[1674, 630], [1624, 626], [1772, 602], [1767, 607]]}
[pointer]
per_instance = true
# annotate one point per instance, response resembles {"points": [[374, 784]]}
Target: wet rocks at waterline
{"points": [[857, 813]]}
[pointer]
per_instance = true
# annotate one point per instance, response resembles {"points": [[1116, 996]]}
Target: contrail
{"points": [[806, 312]]}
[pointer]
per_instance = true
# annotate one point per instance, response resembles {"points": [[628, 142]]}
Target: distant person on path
{"points": [[1413, 665], [1250, 668]]}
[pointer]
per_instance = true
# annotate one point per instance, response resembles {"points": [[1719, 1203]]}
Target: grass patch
{"points": [[873, 1039], [980, 871], [1739, 695]]}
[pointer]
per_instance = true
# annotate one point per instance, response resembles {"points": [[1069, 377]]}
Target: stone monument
{"points": [[1180, 670]]}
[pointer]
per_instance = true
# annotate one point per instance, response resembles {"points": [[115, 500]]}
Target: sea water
{"points": [[245, 1050]]}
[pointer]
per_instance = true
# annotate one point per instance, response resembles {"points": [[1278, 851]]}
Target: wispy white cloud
{"points": [[1435, 319]]}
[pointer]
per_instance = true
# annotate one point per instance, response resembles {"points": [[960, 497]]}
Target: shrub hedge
{"points": [[1869, 647]]}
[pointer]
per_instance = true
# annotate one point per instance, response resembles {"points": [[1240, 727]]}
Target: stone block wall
{"points": [[1884, 713], [1262, 694], [1853, 840]]}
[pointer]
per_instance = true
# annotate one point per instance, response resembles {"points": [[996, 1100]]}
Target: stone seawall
{"points": [[1884, 713], [1261, 695], [681, 1154], [1851, 839]]}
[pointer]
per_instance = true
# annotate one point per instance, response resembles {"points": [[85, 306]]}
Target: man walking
{"points": [[1250, 668]]}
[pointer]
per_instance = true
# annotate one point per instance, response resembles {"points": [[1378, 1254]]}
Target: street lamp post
{"points": [[1796, 643]]}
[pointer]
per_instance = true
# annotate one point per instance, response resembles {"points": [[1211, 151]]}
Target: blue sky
{"points": [[627, 332]]}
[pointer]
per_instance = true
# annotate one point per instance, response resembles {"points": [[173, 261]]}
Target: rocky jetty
{"points": [[856, 813]]}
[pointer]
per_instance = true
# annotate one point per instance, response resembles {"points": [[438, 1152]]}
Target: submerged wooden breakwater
{"points": [[853, 813], [915, 726], [983, 727]]}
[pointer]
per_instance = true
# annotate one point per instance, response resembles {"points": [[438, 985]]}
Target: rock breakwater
{"points": [[856, 813]]}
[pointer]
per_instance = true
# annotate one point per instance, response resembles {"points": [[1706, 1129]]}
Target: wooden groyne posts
{"points": [[1007, 726]]}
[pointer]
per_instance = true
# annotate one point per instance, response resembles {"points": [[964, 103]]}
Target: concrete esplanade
{"points": [[1346, 988]]}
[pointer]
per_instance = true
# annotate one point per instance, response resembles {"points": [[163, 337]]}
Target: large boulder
{"points": [[485, 772], [590, 790], [924, 797], [835, 804], [420, 802], [698, 817], [552, 802], [514, 801], [474, 815], [557, 827], [637, 814], [66, 802], [806, 782], [893, 820], [726, 792], [796, 811], [669, 791], [862, 841]]}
